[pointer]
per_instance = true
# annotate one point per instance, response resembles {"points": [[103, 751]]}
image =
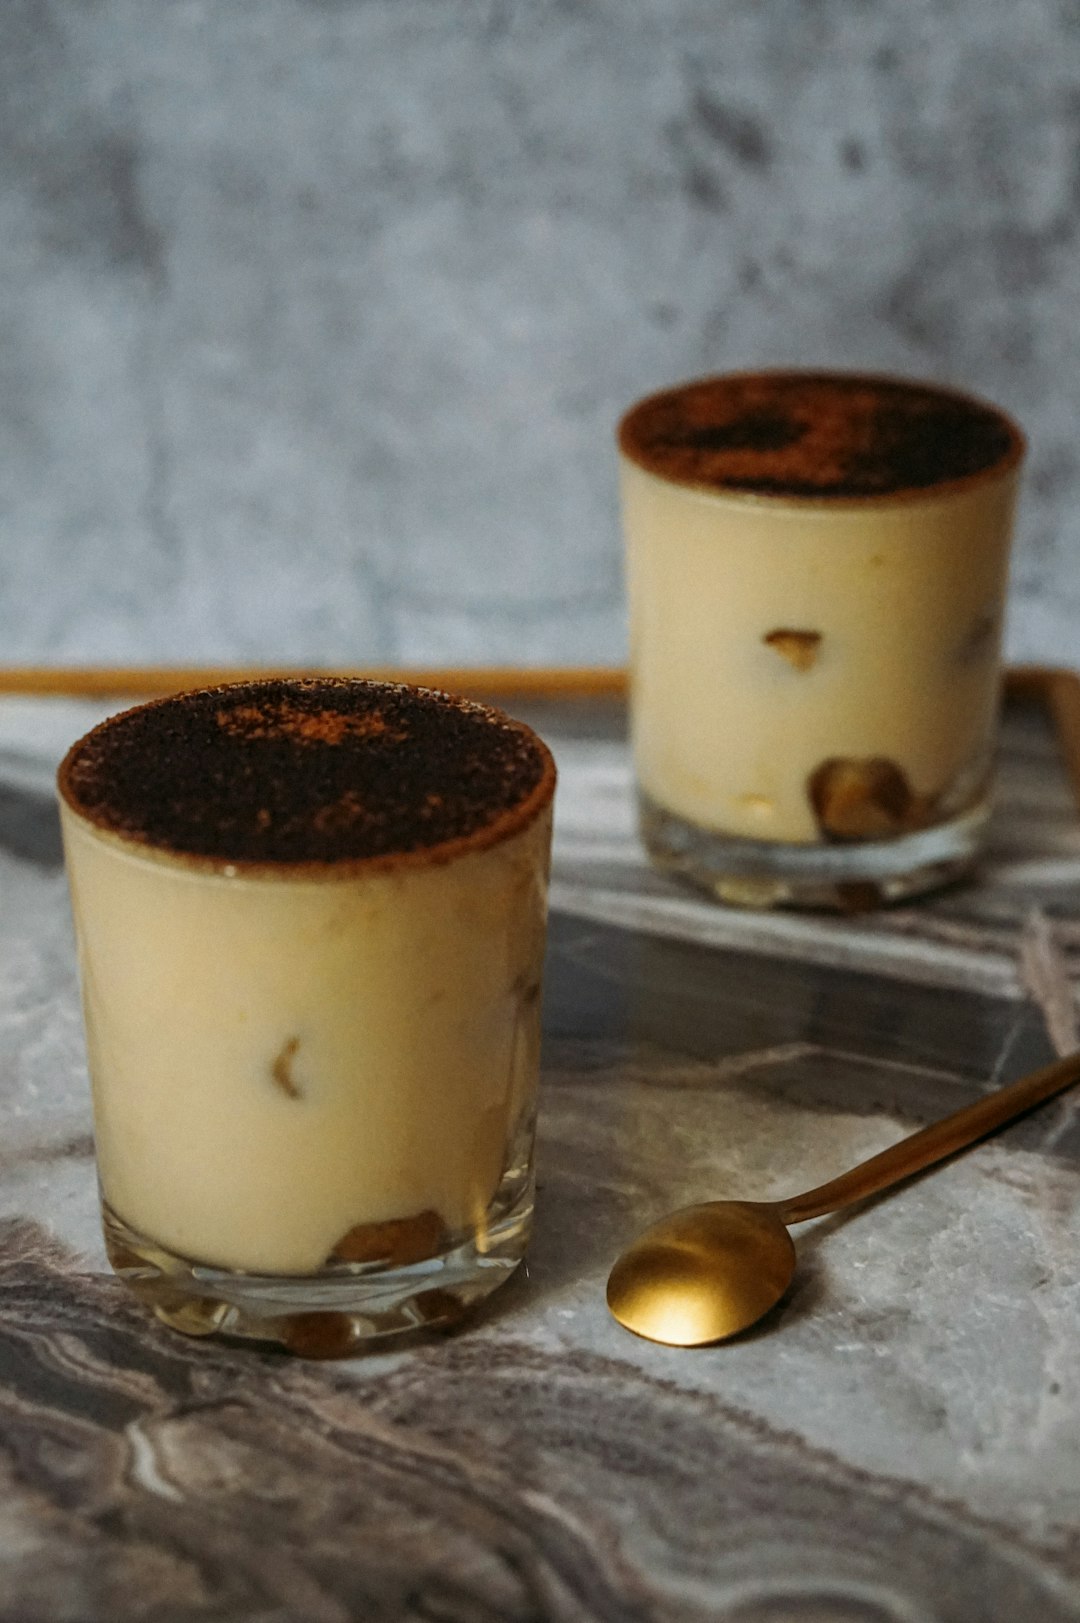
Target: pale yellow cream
{"points": [[906, 597], [277, 1059]]}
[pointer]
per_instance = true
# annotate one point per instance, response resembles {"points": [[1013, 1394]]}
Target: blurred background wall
{"points": [[316, 315]]}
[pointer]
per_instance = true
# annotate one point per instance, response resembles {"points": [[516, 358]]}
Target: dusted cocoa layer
{"points": [[836, 436], [309, 771]]}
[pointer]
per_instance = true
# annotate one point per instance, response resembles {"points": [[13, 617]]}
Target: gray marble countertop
{"points": [[899, 1441]]}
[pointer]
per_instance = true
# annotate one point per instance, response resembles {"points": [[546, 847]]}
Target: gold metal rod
{"points": [[153, 681], [932, 1144], [1063, 701], [150, 681], [1057, 689]]}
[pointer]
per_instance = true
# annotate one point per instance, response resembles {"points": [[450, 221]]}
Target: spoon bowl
{"points": [[703, 1274]]}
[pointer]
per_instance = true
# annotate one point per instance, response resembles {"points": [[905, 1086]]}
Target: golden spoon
{"points": [[707, 1272]]}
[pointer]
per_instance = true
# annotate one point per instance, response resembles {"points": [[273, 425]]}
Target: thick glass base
{"points": [[849, 877], [337, 1311]]}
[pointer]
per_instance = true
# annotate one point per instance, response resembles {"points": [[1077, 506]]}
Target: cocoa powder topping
{"points": [[830, 435], [318, 770]]}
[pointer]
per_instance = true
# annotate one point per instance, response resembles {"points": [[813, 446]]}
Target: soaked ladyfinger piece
{"points": [[396, 1243], [799, 648], [864, 800]]}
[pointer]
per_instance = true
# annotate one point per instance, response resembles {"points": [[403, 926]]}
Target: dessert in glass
{"points": [[310, 918], [817, 566]]}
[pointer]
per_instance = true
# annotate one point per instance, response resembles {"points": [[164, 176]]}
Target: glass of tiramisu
{"points": [[310, 918], [817, 567]]}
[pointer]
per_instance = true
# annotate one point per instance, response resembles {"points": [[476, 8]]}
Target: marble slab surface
{"points": [[900, 1441]]}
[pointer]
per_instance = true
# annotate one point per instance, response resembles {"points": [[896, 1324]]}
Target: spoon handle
{"points": [[931, 1144]]}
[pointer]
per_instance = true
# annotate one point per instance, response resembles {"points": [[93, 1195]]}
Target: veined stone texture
{"points": [[896, 1443], [317, 315]]}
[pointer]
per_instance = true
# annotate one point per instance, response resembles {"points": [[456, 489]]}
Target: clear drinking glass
{"points": [[817, 568], [310, 919]]}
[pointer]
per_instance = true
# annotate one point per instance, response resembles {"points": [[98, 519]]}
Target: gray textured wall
{"points": [[315, 317]]}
